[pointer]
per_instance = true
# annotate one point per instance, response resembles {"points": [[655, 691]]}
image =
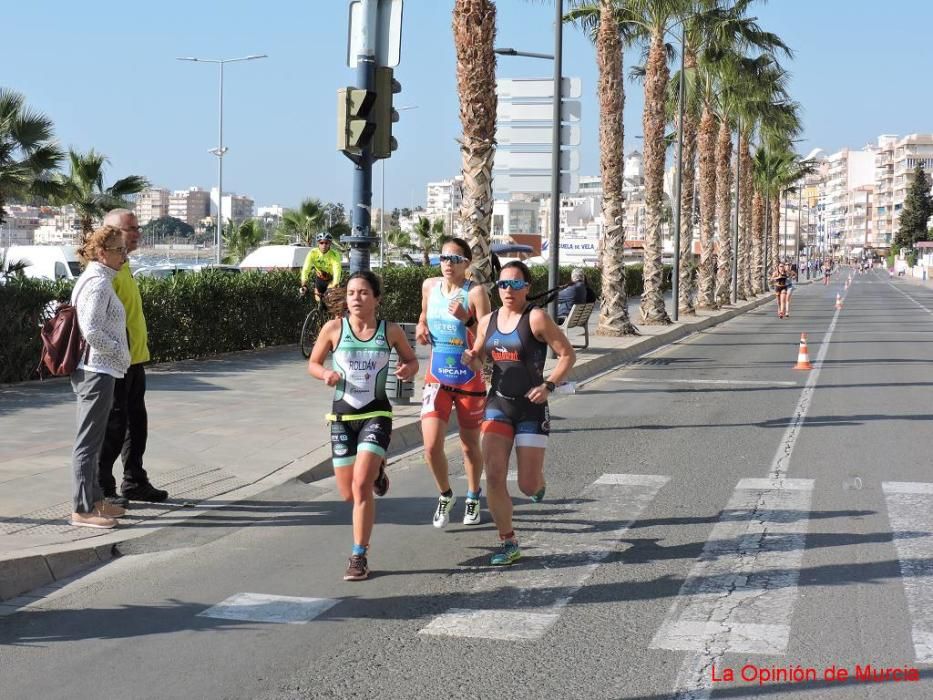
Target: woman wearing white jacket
{"points": [[102, 320]]}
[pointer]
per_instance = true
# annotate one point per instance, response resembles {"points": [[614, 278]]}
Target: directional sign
{"points": [[569, 183], [535, 160], [388, 32], [538, 111], [515, 88], [536, 135]]}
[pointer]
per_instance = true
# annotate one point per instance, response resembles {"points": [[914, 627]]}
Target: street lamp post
{"points": [[220, 150], [675, 273], [553, 277]]}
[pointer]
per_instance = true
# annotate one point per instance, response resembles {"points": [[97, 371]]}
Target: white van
{"points": [[276, 257], [49, 262]]}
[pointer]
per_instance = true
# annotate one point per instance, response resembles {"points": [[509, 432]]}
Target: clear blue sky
{"points": [[106, 73]]}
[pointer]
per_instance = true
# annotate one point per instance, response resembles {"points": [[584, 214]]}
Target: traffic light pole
{"points": [[361, 239]]}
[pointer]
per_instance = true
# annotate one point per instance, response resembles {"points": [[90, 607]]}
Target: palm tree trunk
{"points": [[723, 210], [706, 298], [775, 233], [613, 311], [474, 29], [745, 214], [653, 121], [758, 241], [688, 177]]}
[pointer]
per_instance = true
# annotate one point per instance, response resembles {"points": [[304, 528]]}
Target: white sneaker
{"points": [[471, 511], [442, 513]]}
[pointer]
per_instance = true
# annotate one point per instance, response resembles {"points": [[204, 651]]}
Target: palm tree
{"points": [[650, 21], [28, 154], [240, 239], [723, 34], [429, 236], [398, 239], [602, 21], [84, 189], [474, 30], [302, 225]]}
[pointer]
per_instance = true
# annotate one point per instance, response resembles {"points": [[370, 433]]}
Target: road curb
{"points": [[46, 565]]}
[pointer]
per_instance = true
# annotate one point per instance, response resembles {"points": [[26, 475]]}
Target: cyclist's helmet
{"points": [[324, 236]]}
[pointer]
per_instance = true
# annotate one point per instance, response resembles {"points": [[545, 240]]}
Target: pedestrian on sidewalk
{"points": [[450, 307], [577, 292], [361, 417], [102, 321], [128, 425], [517, 337]]}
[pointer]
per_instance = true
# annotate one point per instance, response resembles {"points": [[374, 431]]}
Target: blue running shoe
{"points": [[508, 553], [538, 496]]}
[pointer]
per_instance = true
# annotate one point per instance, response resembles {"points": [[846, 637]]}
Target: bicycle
{"points": [[331, 304]]}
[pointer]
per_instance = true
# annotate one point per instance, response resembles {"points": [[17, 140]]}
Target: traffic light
{"points": [[355, 124], [384, 114]]}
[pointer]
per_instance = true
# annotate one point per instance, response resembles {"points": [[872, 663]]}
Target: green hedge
{"points": [[192, 316]]}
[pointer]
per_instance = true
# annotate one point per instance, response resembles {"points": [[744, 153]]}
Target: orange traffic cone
{"points": [[838, 301], [803, 356]]}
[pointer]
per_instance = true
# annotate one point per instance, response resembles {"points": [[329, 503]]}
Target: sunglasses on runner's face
{"points": [[512, 284], [452, 258]]}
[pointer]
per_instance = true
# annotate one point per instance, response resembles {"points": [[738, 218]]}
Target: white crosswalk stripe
{"points": [[910, 511], [526, 599], [740, 594]]}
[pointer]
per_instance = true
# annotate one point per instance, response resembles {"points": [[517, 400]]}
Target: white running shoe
{"points": [[471, 511], [442, 513]]}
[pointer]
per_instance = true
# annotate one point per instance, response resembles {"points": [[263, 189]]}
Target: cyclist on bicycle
{"points": [[325, 264]]}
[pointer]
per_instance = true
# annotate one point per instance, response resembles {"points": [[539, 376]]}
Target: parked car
{"points": [[172, 269], [50, 262], [276, 257]]}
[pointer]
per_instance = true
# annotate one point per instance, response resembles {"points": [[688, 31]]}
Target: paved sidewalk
{"points": [[220, 430]]}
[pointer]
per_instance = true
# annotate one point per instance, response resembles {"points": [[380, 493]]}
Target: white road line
{"points": [[260, 607], [739, 596], [736, 382], [898, 289], [786, 448], [522, 602], [910, 510]]}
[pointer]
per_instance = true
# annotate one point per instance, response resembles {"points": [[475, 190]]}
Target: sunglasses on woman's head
{"points": [[452, 258], [512, 284]]}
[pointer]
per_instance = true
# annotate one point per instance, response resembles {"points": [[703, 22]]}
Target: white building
{"points": [[152, 203], [232, 206], [443, 202], [514, 217]]}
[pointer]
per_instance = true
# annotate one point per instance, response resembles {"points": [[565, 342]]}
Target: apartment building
{"points": [[443, 202], [233, 206], [190, 205], [152, 203]]}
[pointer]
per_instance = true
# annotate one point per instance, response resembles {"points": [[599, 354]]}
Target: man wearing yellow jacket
{"points": [[128, 424]]}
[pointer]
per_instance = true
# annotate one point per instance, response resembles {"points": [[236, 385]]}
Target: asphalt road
{"points": [[709, 509]]}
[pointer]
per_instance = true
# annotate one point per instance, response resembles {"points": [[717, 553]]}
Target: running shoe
{"points": [[508, 553], [357, 568], [538, 495], [381, 484], [442, 512], [471, 512]]}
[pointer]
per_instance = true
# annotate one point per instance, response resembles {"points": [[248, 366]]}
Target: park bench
{"points": [[579, 317]]}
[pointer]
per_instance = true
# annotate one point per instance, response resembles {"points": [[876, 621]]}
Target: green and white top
{"points": [[363, 366]]}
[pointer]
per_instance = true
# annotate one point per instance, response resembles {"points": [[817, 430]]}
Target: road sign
{"points": [[515, 88], [535, 160], [536, 135], [387, 32], [540, 182], [538, 111]]}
